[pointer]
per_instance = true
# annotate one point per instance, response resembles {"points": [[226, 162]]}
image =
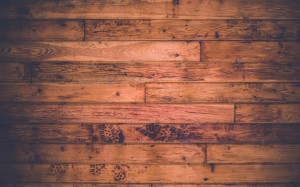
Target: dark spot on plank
{"points": [[97, 169], [217, 35], [119, 173], [62, 148], [118, 93], [205, 179], [110, 134], [58, 170]]}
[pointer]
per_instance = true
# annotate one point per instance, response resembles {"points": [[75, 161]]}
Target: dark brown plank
{"points": [[222, 92], [136, 72], [232, 153], [251, 51], [146, 29], [119, 113], [268, 113], [108, 154], [70, 92], [46, 30], [46, 133], [186, 9], [103, 173], [196, 133], [100, 51]]}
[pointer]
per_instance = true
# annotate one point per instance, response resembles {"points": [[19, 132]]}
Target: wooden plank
{"points": [[46, 133], [137, 72], [14, 30], [268, 113], [119, 113], [251, 51], [222, 92], [192, 29], [70, 92], [108, 154], [196, 133], [149, 9], [232, 153], [100, 51], [102, 173]]}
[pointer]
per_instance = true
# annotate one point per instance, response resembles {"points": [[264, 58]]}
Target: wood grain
{"points": [[110, 113], [70, 92], [196, 133], [222, 92], [46, 133], [149, 173], [162, 9], [268, 113], [147, 29], [139, 72], [231, 153], [108, 154], [100, 51], [250, 51], [49, 30]]}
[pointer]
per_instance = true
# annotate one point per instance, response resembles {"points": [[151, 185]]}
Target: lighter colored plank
{"points": [[70, 92], [268, 113], [149, 173], [47, 30], [100, 51], [192, 30], [222, 92], [120, 113], [231, 153], [108, 154]]}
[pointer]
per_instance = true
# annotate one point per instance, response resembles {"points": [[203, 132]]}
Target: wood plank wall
{"points": [[149, 93]]}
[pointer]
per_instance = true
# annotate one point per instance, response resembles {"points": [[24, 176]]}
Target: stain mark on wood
{"points": [[110, 134], [97, 169]]}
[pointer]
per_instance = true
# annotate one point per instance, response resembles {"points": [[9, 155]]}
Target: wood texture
{"points": [[232, 153], [196, 133], [163, 9], [109, 93], [221, 92], [14, 30], [192, 30], [108, 154], [100, 51], [268, 113], [137, 72], [250, 51], [148, 173], [109, 113], [46, 133]]}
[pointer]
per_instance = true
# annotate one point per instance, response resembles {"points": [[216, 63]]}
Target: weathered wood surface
{"points": [[108, 154], [268, 113], [100, 51], [192, 29], [16, 30], [137, 72], [222, 92], [103, 173], [46, 133], [118, 113], [250, 51], [232, 153], [162, 9], [70, 92]]}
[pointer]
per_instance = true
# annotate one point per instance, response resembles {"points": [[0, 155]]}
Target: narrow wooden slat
{"points": [[222, 92], [14, 30], [268, 113], [100, 51], [112, 72], [110, 113], [196, 133], [231, 153], [71, 92], [207, 9], [46, 133], [102, 173], [251, 51], [108, 154], [192, 30]]}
